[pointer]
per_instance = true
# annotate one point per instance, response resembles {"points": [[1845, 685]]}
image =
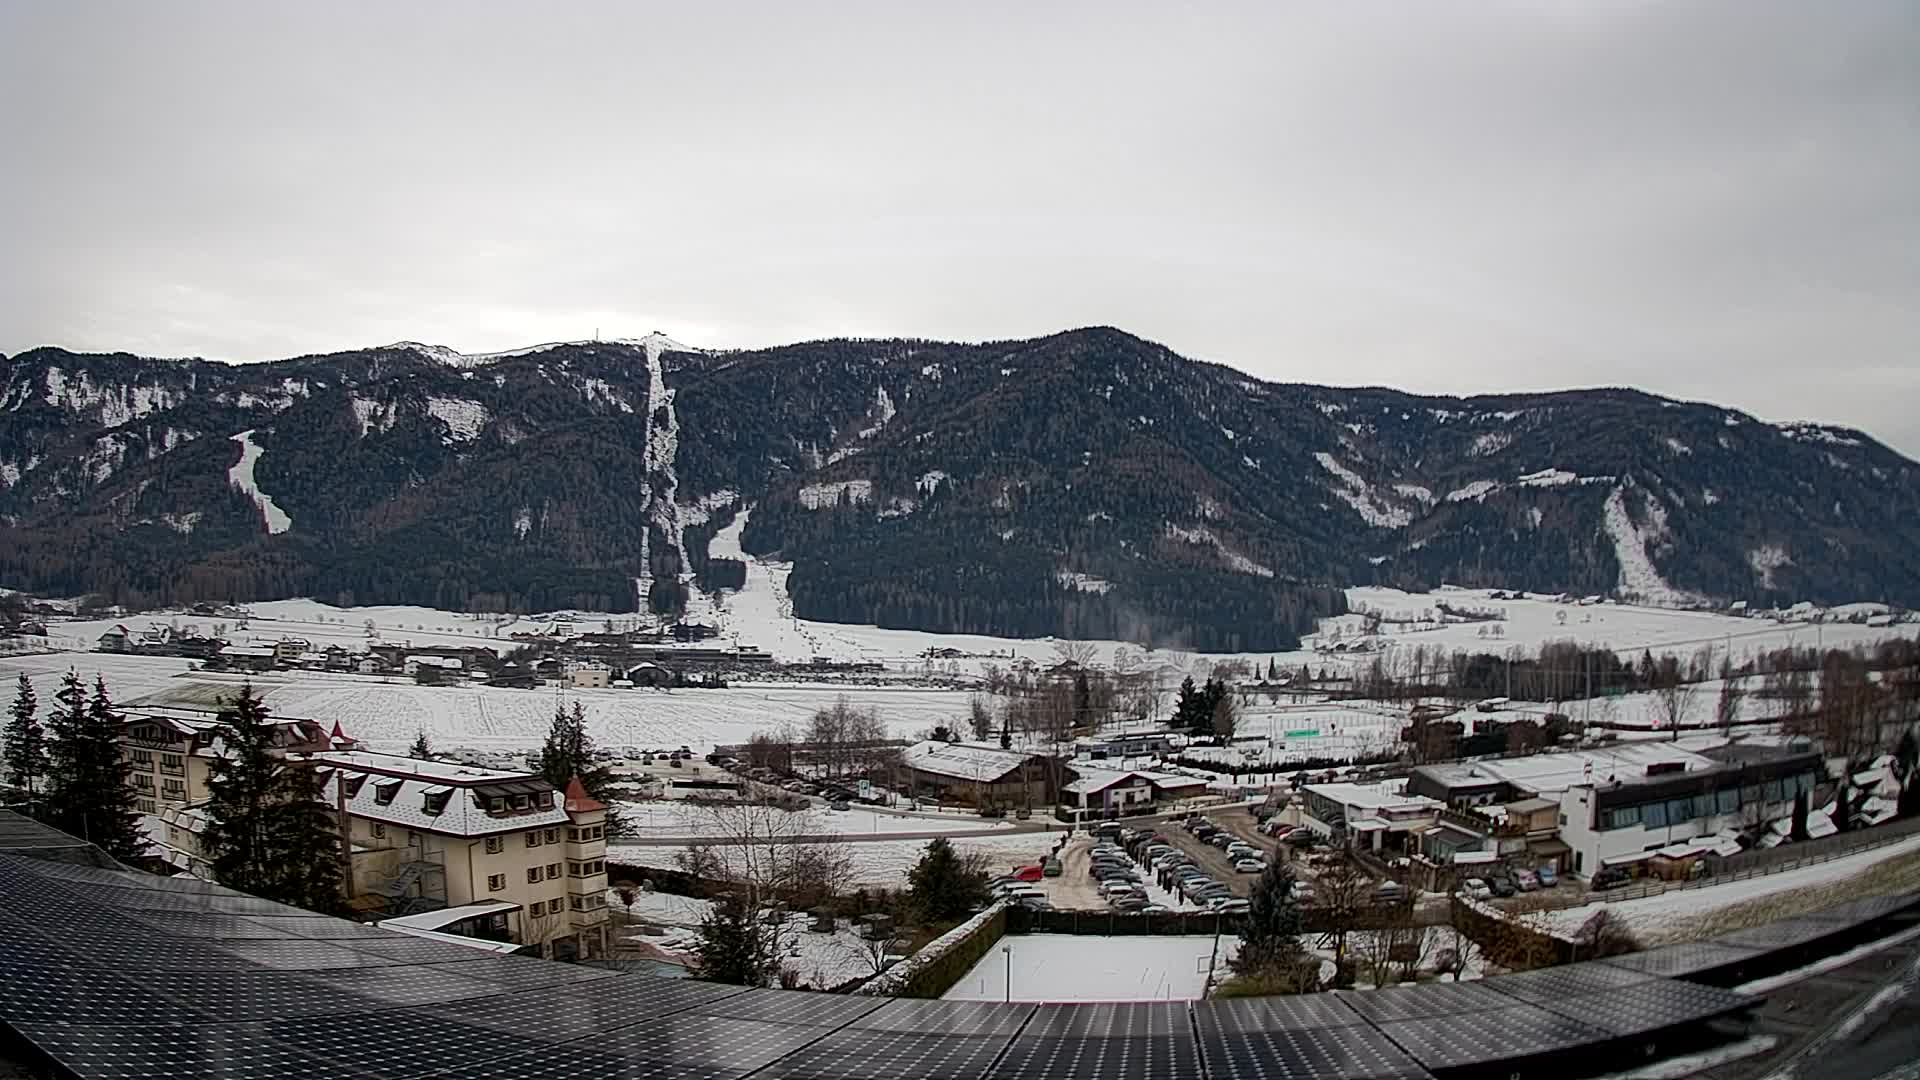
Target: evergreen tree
{"points": [[1306, 677], [24, 744], [1273, 669], [728, 948], [942, 886], [569, 752], [1270, 936], [88, 791], [421, 748], [1186, 707], [268, 832], [943, 733]]}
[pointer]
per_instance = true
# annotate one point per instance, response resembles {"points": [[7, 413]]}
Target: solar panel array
{"points": [[115, 973]]}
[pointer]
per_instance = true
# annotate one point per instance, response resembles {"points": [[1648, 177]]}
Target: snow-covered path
{"points": [[241, 476]]}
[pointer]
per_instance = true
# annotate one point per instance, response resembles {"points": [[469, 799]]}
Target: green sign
{"points": [[1304, 733]]}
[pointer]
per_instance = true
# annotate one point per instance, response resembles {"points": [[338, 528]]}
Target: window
{"points": [[533, 875], [574, 836], [1727, 800], [579, 903], [497, 805], [1679, 810], [545, 799], [573, 868], [496, 845], [143, 781], [496, 882], [1773, 792], [537, 908], [174, 789], [533, 838], [384, 791], [436, 803], [145, 806], [1563, 821], [597, 832], [143, 759], [553, 836], [1750, 794], [379, 831], [521, 802], [413, 838], [553, 870], [1654, 815], [172, 762]]}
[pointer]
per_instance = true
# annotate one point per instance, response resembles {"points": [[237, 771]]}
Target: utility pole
{"points": [[346, 832]]}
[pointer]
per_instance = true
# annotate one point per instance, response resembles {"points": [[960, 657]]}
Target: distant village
{"points": [[680, 655]]}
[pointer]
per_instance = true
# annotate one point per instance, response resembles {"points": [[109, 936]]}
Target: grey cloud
{"points": [[1709, 200]]}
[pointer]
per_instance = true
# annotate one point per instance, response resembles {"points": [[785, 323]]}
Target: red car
{"points": [[1029, 873]]}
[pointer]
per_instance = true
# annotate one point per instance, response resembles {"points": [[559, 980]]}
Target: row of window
{"points": [[535, 837], [584, 833], [585, 867], [1659, 815], [498, 804], [143, 759]]}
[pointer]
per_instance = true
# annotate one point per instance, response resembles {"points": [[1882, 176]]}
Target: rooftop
{"points": [[1386, 795], [445, 772], [962, 761], [1556, 772]]}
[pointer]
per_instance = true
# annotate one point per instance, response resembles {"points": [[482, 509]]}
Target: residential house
{"points": [[117, 639], [1379, 817]]}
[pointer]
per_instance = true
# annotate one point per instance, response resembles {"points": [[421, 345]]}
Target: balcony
{"points": [[172, 770]]}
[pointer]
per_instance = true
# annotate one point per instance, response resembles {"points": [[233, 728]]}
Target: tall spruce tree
{"points": [[729, 947], [942, 886], [268, 833], [88, 790], [421, 748], [569, 752], [1270, 936], [24, 744]]}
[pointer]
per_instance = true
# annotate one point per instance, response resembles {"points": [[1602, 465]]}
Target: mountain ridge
{"points": [[1087, 482]]}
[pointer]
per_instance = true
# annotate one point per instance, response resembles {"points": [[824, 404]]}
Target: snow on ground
{"points": [[821, 960], [241, 476], [1677, 914], [1630, 629], [884, 863], [1300, 732], [1067, 967], [664, 819], [323, 624]]}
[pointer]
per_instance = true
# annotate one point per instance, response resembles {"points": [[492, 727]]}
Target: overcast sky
{"points": [[1717, 201]]}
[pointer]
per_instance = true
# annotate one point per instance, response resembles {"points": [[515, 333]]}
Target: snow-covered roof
{"points": [[962, 762], [407, 783], [1092, 780], [1559, 771], [435, 920], [1382, 796]]}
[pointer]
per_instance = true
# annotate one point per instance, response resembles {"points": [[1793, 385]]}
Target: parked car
{"points": [[1549, 877], [1609, 877], [1035, 903], [1235, 906], [1028, 873], [1051, 868], [1501, 886], [1250, 866], [839, 804], [1475, 889], [1154, 909], [1526, 880]]}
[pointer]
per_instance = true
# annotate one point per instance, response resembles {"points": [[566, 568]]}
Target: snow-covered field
{"points": [[387, 712], [821, 960], [1067, 967], [666, 819], [884, 863]]}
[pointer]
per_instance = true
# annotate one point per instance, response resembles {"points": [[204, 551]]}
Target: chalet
{"points": [[288, 651], [117, 639], [589, 677], [414, 662], [1115, 791]]}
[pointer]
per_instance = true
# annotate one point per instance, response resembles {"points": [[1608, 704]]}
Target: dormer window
{"points": [[496, 805], [435, 799], [354, 784], [546, 800], [384, 792], [521, 802]]}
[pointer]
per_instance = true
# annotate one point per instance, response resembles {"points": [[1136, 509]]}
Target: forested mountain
{"points": [[1088, 483]]}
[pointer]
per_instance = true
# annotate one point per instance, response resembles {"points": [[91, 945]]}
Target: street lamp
{"points": [[1007, 951]]}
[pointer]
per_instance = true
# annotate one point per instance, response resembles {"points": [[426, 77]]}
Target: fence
{"points": [[933, 970], [1752, 864]]}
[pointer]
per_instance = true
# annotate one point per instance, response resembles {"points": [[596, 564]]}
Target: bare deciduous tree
{"points": [[762, 856]]}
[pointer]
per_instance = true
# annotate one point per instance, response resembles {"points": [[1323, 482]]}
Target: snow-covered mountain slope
{"points": [[1086, 484]]}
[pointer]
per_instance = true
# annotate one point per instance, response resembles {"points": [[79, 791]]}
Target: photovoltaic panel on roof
{"points": [[1114, 1057], [1446, 1042], [1680, 961], [236, 1051], [1132, 1018], [1571, 980], [792, 1007], [868, 1054], [946, 1017], [1779, 935], [1356, 1050], [1273, 1013], [1649, 1006], [1432, 999]]}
